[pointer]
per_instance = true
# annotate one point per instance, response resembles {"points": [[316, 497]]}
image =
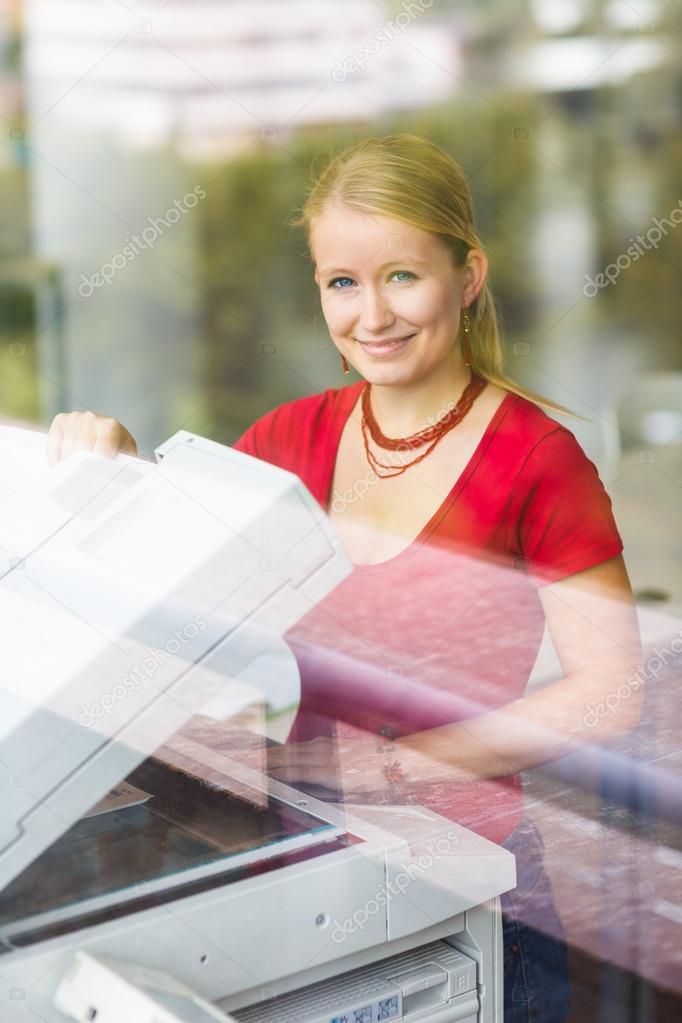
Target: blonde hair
{"points": [[413, 180]]}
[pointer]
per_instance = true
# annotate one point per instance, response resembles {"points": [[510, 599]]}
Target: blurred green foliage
{"points": [[263, 339]]}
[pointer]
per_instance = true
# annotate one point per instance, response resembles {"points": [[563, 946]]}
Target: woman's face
{"points": [[391, 293]]}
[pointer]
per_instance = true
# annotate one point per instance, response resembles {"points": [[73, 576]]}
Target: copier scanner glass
{"points": [[176, 825], [132, 596]]}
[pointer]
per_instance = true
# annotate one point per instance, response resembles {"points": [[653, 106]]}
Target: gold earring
{"points": [[466, 340], [344, 364]]}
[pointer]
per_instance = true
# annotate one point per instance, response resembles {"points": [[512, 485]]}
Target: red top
{"points": [[451, 626]]}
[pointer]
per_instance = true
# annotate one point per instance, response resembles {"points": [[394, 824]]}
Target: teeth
{"points": [[383, 344]]}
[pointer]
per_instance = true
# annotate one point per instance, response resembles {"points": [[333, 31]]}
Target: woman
{"points": [[472, 519]]}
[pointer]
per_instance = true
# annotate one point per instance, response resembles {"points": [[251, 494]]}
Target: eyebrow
{"points": [[384, 266]]}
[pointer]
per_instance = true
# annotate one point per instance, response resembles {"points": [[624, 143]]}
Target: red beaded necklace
{"points": [[430, 435]]}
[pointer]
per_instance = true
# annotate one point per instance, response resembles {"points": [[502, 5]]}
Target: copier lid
{"points": [[128, 592]]}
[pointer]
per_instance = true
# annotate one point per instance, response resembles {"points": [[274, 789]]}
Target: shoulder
{"points": [[286, 432], [533, 449], [548, 460], [559, 515], [313, 407], [529, 422], [530, 436]]}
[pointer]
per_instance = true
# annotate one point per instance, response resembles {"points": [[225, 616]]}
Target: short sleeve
{"points": [[247, 443], [300, 437], [262, 439], [561, 516]]}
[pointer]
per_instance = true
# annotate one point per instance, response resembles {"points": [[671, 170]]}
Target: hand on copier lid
{"points": [[351, 766], [87, 431]]}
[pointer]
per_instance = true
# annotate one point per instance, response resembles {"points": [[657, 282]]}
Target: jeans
{"points": [[536, 985]]}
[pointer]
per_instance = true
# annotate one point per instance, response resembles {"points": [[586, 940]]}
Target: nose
{"points": [[376, 314]]}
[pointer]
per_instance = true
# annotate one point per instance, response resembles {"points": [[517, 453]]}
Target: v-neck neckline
{"points": [[342, 416]]}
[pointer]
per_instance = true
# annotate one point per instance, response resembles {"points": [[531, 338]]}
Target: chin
{"points": [[387, 376]]}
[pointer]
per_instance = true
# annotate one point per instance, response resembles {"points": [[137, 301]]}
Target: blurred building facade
{"points": [[204, 76]]}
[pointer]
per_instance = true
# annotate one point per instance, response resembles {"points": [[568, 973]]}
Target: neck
{"points": [[404, 409]]}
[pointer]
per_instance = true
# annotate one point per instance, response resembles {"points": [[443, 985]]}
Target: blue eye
{"points": [[342, 283], [408, 274], [337, 280]]}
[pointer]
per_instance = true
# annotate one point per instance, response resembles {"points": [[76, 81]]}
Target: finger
{"points": [[128, 443], [107, 440], [308, 775], [86, 435], [78, 432], [55, 438], [112, 438], [253, 758], [298, 758], [283, 755], [279, 756]]}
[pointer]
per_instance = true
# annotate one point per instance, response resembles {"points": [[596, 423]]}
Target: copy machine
{"points": [[149, 871]]}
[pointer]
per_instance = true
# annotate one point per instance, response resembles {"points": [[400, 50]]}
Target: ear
{"points": [[475, 273]]}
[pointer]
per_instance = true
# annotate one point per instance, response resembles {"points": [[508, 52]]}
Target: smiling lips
{"points": [[386, 347]]}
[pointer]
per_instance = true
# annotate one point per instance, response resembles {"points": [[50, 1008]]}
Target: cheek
{"points": [[339, 312], [426, 307]]}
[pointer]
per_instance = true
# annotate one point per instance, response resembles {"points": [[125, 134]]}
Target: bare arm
{"points": [[592, 621]]}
